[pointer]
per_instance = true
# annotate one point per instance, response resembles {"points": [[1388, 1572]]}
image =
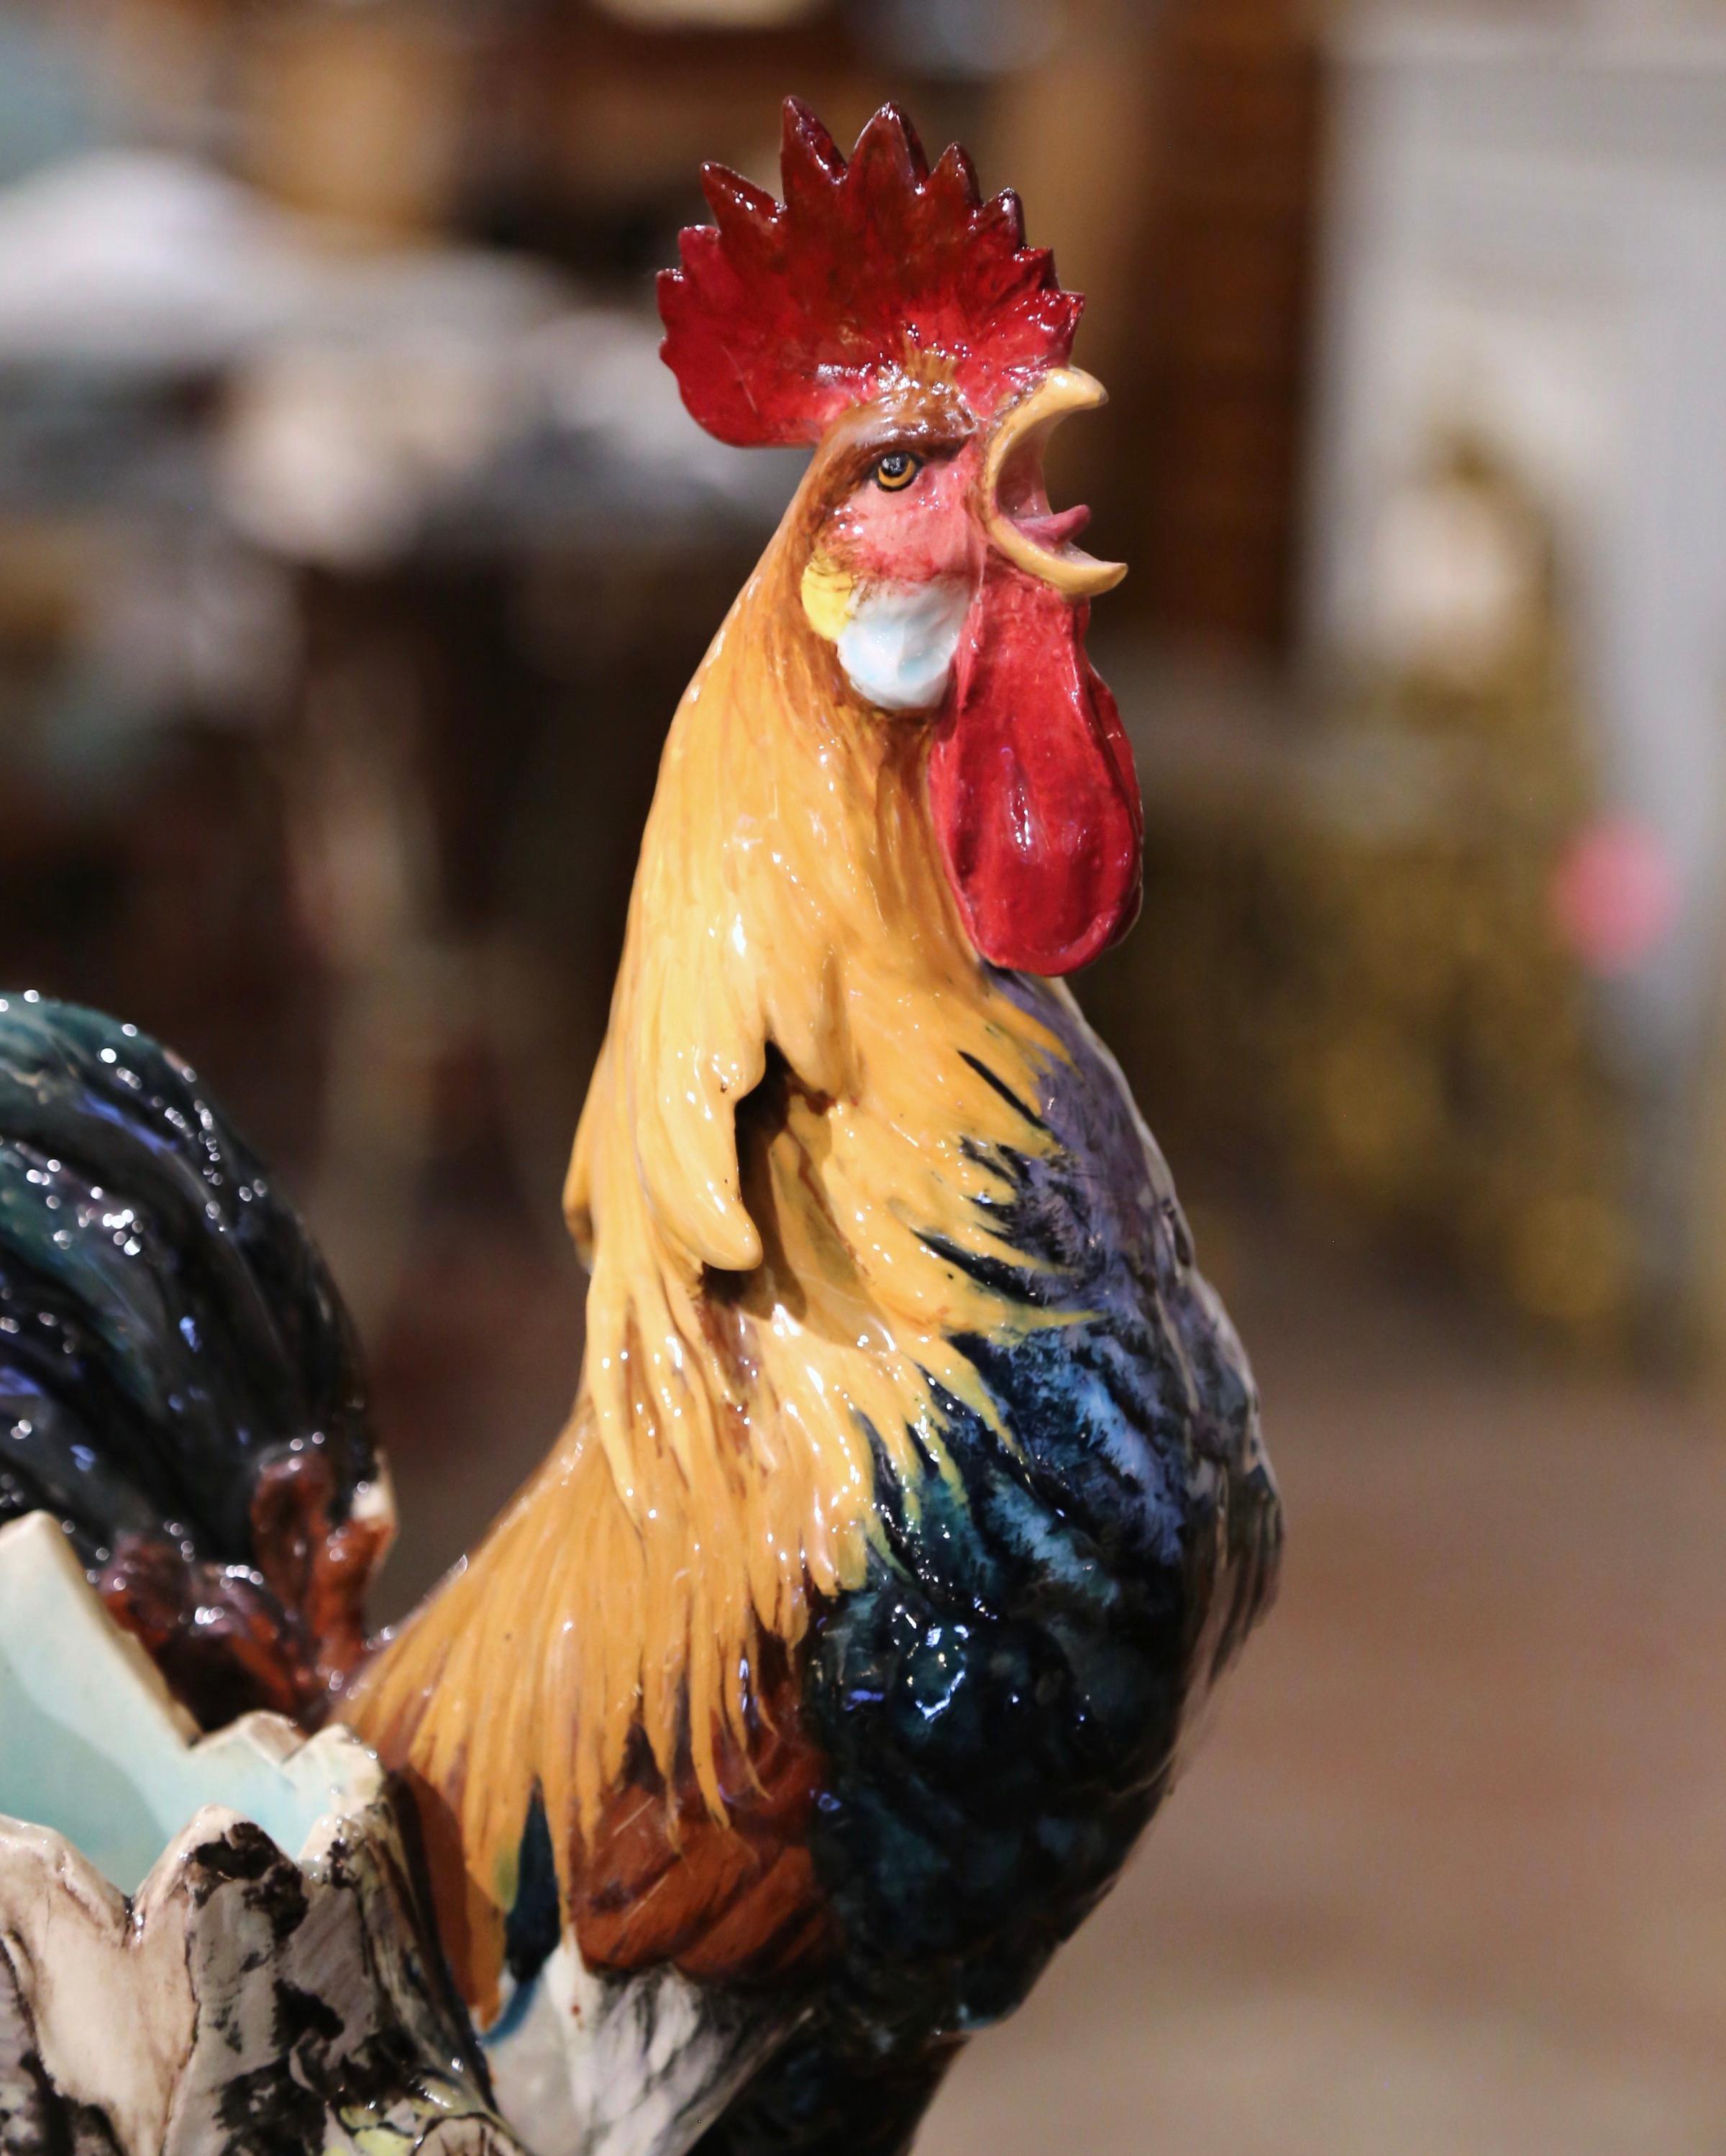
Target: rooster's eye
{"points": [[896, 469]]}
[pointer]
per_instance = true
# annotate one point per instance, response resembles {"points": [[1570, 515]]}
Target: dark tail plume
{"points": [[179, 1383]]}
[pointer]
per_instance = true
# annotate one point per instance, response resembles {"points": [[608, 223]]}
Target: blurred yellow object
{"points": [[46, 568], [357, 116], [1570, 1259], [711, 14], [1520, 1168], [1353, 966]]}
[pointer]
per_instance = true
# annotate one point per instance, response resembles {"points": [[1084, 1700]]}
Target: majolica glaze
{"points": [[821, 1681], [219, 1945]]}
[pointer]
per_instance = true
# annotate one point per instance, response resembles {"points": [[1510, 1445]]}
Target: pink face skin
{"points": [[930, 526], [937, 609], [911, 533]]}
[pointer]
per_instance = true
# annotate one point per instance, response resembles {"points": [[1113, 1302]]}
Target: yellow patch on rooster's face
{"points": [[896, 639], [826, 592]]}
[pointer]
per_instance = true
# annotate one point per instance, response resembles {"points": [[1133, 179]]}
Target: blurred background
{"points": [[354, 550]]}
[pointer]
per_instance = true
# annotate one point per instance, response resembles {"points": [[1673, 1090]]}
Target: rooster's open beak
{"points": [[1015, 511]]}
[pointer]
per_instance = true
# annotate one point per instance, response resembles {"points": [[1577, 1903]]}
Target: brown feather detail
{"points": [[241, 1656], [319, 1572], [282, 1637], [661, 1879], [471, 1925], [734, 1897]]}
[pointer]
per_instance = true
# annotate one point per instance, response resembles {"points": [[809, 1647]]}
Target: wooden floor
{"points": [[1448, 1877]]}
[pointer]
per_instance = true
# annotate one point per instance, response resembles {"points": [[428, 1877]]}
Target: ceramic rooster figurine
{"points": [[821, 1682]]}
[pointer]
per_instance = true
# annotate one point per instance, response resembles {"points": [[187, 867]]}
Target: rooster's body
{"points": [[821, 1682]]}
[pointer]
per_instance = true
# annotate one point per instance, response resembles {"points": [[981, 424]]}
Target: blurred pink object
{"points": [[1614, 896]]}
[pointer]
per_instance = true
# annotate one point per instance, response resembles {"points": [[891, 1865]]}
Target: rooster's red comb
{"points": [[782, 313]]}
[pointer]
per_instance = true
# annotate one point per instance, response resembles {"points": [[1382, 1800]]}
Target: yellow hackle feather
{"points": [[741, 1343]]}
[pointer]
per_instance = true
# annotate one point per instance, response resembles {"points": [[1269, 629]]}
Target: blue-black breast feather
{"points": [[1000, 1704]]}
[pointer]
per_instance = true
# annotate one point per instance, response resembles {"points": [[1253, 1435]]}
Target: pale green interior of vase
{"points": [[93, 1746]]}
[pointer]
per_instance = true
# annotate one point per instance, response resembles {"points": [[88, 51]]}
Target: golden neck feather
{"points": [[763, 1296]]}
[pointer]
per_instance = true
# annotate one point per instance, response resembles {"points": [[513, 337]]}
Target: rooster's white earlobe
{"points": [[897, 648]]}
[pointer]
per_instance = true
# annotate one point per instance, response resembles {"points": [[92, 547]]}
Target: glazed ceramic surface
{"points": [[913, 1496], [94, 1742], [204, 1945]]}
